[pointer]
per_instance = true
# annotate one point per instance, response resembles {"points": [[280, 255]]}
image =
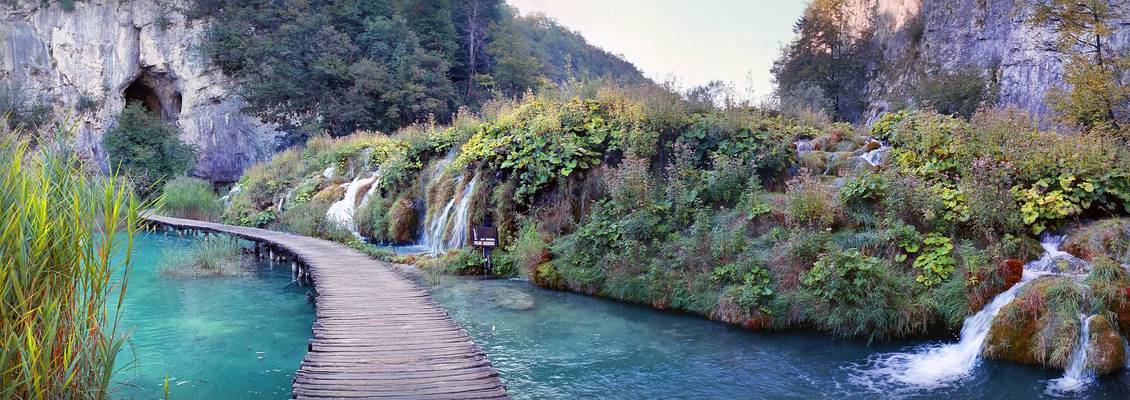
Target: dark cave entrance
{"points": [[155, 91]]}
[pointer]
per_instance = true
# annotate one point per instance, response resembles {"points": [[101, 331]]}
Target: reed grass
{"points": [[62, 238], [205, 259], [192, 198]]}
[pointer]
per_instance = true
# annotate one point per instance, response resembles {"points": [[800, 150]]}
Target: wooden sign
{"points": [[484, 236]]}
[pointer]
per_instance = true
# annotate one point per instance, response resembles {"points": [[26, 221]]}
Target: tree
{"points": [[339, 66], [1096, 98], [146, 149], [516, 68], [826, 54]]}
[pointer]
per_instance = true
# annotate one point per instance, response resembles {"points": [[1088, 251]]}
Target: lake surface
{"points": [[215, 338], [244, 337], [557, 345]]}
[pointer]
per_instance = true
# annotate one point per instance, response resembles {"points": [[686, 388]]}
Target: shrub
{"points": [[185, 197], [852, 294], [205, 259], [309, 219], [1107, 282], [145, 149], [528, 250], [958, 92], [809, 203]]}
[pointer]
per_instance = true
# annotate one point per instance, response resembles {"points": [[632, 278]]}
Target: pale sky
{"points": [[694, 41]]}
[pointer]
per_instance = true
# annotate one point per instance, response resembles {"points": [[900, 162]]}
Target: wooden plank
{"points": [[376, 333]]}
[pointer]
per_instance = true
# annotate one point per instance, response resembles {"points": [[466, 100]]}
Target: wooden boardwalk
{"points": [[377, 334]]}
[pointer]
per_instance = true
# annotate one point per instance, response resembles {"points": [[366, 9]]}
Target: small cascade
{"points": [[448, 229], [1077, 375], [329, 172], [459, 229], [804, 145], [372, 189], [940, 365], [226, 199], [878, 156], [341, 212]]}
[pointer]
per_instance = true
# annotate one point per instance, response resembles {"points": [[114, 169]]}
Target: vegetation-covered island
{"points": [[933, 198]]}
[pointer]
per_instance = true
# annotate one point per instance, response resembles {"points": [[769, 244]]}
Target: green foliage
{"points": [[1049, 202], [747, 282], [868, 187], [848, 293], [965, 165], [540, 142], [935, 263], [193, 198], [67, 239], [146, 149], [843, 276], [309, 219], [527, 251], [1107, 282]]}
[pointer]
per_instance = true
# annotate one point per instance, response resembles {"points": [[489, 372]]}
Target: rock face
{"points": [[90, 60], [919, 37]]}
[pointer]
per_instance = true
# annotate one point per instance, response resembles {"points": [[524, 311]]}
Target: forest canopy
{"points": [[345, 65]]}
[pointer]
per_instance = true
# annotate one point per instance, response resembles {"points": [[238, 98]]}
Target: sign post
{"points": [[485, 237]]}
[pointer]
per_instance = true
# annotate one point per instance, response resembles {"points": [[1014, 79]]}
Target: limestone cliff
{"points": [[88, 61], [917, 38]]}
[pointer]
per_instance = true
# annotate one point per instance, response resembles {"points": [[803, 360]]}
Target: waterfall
{"points": [[1077, 375], [372, 189], [433, 236], [459, 229], [438, 237], [341, 212], [939, 365], [876, 157], [329, 172]]}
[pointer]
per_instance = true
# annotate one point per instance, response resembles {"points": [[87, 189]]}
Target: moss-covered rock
{"points": [[1040, 326], [1110, 237], [403, 220], [331, 194], [815, 161], [1106, 353]]}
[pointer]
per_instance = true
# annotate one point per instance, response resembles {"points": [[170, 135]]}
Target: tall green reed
{"points": [[62, 233]]}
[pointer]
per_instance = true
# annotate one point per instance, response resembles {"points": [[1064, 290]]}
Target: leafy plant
{"points": [[935, 263], [842, 275]]}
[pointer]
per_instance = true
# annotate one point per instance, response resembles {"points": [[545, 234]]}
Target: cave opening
{"points": [[155, 91]]}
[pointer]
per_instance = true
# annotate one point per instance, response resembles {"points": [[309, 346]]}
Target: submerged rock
{"points": [[512, 299]]}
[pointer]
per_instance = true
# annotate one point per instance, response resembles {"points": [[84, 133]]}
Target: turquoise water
{"points": [[215, 338], [556, 345], [244, 337]]}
